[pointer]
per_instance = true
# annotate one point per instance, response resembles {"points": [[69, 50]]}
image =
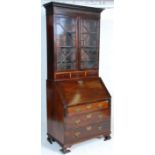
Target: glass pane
{"points": [[89, 43], [88, 40], [66, 59], [89, 58], [66, 43], [88, 32], [66, 30], [88, 25]]}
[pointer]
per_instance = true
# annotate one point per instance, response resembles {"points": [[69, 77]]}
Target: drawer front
{"points": [[87, 108], [87, 132], [78, 74], [62, 76], [92, 73], [82, 120]]}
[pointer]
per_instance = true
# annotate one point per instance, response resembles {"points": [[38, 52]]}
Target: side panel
{"points": [[50, 43], [55, 113]]}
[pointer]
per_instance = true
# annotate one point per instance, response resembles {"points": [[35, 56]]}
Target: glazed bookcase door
{"points": [[66, 48], [88, 43]]}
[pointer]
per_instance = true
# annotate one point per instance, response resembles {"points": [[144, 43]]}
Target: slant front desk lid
{"points": [[82, 91]]}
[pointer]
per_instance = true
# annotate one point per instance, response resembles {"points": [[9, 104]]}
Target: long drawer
{"points": [[89, 131], [85, 119], [87, 108]]}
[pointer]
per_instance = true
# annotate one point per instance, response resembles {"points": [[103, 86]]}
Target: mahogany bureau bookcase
{"points": [[78, 103]]}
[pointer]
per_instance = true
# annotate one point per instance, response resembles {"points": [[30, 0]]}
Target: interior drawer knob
{"points": [[77, 134], [77, 121], [89, 116], [88, 128]]}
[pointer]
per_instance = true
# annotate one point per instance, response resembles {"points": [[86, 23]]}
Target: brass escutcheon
{"points": [[80, 82]]}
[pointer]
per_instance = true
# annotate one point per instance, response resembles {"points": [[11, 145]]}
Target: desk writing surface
{"points": [[82, 91]]}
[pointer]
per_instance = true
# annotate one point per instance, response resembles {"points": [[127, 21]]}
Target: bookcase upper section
{"points": [[72, 41]]}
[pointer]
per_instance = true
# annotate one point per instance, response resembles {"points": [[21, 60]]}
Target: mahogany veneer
{"points": [[78, 103]]}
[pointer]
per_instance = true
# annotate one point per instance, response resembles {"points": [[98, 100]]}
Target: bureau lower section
{"points": [[77, 111]]}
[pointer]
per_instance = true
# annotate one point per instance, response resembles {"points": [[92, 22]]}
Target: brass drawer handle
{"points": [[100, 128], [88, 128], [100, 116], [89, 116], [89, 106], [77, 121], [77, 134], [77, 109]]}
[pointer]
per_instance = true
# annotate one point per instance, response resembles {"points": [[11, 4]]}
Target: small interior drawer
{"points": [[77, 74], [62, 75], [92, 73]]}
